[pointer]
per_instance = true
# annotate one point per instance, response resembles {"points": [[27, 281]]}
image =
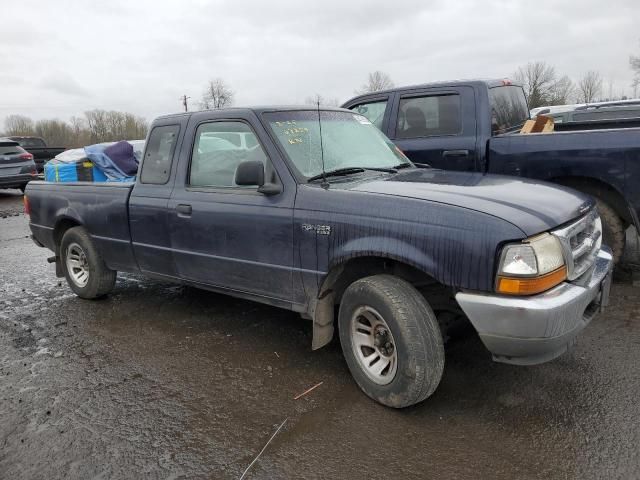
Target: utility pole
{"points": [[184, 99]]}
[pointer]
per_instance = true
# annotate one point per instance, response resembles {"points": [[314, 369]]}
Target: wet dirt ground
{"points": [[164, 381]]}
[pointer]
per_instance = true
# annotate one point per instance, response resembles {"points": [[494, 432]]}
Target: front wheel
{"points": [[83, 267], [391, 340], [613, 231]]}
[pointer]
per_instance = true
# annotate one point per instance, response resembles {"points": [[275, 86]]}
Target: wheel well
{"points": [[601, 190], [61, 227], [322, 311], [344, 274]]}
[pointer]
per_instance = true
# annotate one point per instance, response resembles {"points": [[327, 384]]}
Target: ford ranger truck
{"points": [[316, 211]]}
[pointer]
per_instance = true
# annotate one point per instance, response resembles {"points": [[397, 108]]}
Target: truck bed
{"points": [[77, 203]]}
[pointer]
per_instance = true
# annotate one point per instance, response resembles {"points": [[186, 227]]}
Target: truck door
{"points": [[224, 235], [148, 215], [436, 126]]}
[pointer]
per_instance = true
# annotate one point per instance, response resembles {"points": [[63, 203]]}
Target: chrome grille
{"points": [[581, 242]]}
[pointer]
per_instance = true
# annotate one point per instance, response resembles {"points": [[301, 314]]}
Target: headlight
{"points": [[531, 267]]}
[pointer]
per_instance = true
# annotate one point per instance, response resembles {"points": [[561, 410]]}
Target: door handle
{"points": [[184, 210], [455, 153]]}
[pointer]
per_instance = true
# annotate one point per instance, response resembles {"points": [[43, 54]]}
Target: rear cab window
{"points": [[158, 154], [509, 109]]}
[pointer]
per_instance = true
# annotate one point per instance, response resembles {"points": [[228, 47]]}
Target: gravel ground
{"points": [[165, 381]]}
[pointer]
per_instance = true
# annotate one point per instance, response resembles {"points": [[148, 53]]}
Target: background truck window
{"points": [[373, 111], [156, 166], [31, 142], [509, 109], [218, 150], [429, 116]]}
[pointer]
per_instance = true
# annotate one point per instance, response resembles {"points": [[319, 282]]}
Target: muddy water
{"points": [[164, 381]]}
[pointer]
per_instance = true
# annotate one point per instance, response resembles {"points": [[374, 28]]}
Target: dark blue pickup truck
{"points": [[316, 211], [475, 125]]}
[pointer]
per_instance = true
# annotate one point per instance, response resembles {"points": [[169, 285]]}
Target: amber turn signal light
{"points": [[27, 205], [531, 285]]}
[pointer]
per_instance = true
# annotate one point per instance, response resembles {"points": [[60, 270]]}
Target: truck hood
{"points": [[534, 207]]}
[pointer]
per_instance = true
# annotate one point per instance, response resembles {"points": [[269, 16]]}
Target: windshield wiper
{"points": [[335, 173], [349, 170]]}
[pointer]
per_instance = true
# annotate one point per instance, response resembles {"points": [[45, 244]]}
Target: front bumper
{"points": [[531, 330]]}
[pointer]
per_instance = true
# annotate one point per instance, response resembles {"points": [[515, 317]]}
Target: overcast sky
{"points": [[60, 58]]}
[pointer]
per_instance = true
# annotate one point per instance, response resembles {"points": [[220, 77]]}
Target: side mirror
{"points": [[250, 173]]}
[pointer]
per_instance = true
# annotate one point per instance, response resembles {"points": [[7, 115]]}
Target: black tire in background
{"points": [[100, 279], [414, 332], [613, 231]]}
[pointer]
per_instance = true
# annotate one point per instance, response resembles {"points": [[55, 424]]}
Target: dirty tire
{"points": [[101, 279], [416, 334], [613, 234]]}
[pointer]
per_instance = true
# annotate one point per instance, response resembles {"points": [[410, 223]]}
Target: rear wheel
{"points": [[613, 234], [83, 267], [391, 340]]}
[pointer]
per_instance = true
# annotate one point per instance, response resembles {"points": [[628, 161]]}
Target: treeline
{"points": [[95, 127], [543, 86]]}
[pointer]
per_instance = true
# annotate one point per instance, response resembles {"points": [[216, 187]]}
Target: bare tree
{"points": [[318, 99], [55, 132], [634, 63], [108, 126], [562, 91], [377, 81], [589, 87], [538, 80], [81, 134], [18, 125], [217, 94], [97, 126], [97, 123]]}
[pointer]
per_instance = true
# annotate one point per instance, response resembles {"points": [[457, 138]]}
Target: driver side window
{"points": [[373, 111], [218, 150]]}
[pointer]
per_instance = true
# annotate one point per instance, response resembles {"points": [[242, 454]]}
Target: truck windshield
{"points": [[508, 109], [349, 140]]}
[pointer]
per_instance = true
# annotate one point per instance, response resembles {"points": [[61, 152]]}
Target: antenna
{"points": [[324, 183]]}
